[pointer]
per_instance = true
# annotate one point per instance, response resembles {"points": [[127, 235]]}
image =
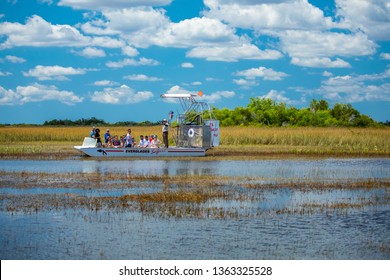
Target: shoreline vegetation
{"points": [[56, 142]]}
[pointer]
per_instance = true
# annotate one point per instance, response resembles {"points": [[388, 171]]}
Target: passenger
{"points": [[92, 133], [141, 142], [128, 139], [155, 142], [109, 142], [107, 136], [97, 137], [123, 141], [146, 142], [115, 142]]}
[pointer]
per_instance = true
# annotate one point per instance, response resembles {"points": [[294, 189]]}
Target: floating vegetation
{"points": [[179, 196], [205, 196]]}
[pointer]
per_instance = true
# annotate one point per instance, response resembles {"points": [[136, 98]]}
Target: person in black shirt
{"points": [[97, 137], [165, 128]]}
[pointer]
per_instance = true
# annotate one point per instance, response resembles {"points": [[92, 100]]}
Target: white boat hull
{"points": [[142, 152]]}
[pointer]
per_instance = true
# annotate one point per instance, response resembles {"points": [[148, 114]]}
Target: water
{"points": [[254, 223], [287, 169], [104, 235]]}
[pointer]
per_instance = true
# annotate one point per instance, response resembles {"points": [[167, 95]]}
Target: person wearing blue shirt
{"points": [[107, 136]]}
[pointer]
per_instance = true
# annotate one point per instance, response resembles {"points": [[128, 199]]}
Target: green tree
{"points": [[345, 114], [320, 105]]}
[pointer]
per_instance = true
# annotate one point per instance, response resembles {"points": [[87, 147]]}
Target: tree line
{"points": [[263, 112], [95, 122], [267, 112]]}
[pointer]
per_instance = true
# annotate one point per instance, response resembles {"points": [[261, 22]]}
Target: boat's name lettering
{"points": [[138, 151]]}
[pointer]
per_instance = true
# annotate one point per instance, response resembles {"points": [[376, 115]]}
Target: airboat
{"points": [[195, 131]]}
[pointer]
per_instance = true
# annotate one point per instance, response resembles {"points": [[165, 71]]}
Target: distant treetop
{"points": [[263, 112], [94, 122], [267, 112]]}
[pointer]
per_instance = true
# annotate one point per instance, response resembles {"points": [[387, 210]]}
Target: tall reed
{"points": [[66, 134], [278, 140], [362, 138]]}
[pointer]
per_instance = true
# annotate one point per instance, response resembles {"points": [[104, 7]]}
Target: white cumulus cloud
{"points": [[112, 4], [37, 32], [385, 56], [188, 33], [370, 16], [245, 84], [56, 72], [233, 53], [15, 59], [269, 15], [320, 62], [105, 83], [217, 96], [304, 33], [187, 65], [37, 93], [121, 95], [132, 21], [357, 88], [91, 52], [129, 51], [316, 48], [262, 72], [208, 38], [142, 78], [278, 96], [132, 62]]}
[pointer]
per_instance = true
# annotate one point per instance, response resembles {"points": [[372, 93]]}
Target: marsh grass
{"points": [[178, 196], [309, 140], [206, 196], [113, 180], [58, 142], [109, 180]]}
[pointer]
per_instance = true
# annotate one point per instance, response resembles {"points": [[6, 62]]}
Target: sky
{"points": [[112, 59]]}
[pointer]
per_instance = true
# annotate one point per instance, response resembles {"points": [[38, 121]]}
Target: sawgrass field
{"points": [[58, 142]]}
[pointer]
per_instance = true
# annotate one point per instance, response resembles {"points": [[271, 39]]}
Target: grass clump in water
{"points": [[178, 196]]}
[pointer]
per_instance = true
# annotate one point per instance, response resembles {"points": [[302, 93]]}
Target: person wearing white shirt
{"points": [[155, 142], [146, 142], [128, 139], [141, 142]]}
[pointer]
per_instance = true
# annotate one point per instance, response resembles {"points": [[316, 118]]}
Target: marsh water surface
{"points": [[258, 209], [324, 168]]}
